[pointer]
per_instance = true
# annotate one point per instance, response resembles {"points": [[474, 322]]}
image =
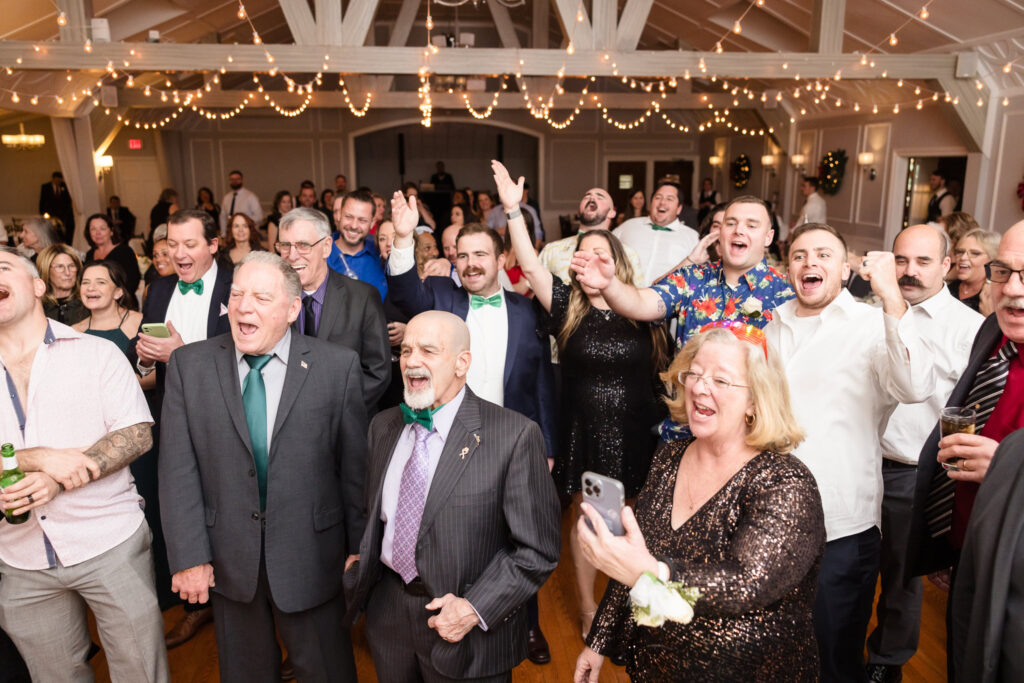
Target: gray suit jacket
{"points": [[490, 530], [210, 500], [353, 316]]}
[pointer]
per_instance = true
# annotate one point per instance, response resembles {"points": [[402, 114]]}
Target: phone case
{"points": [[608, 497]]}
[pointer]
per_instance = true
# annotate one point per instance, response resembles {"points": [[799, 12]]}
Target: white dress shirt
{"points": [[246, 202], [660, 251], [813, 210], [846, 375], [190, 312], [488, 336], [273, 378], [948, 328]]}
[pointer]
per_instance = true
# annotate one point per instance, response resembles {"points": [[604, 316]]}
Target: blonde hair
{"points": [[45, 260], [988, 239], [774, 428]]}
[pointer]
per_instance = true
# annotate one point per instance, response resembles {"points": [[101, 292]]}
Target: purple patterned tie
{"points": [[412, 496]]}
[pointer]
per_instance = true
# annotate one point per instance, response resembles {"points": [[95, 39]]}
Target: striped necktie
{"points": [[988, 387]]}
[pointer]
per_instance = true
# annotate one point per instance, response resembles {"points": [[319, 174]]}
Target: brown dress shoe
{"points": [[537, 647], [287, 670], [189, 625]]}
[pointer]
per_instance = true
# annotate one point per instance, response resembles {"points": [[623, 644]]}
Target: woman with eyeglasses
{"points": [[609, 365], [727, 511], [59, 268], [971, 253]]}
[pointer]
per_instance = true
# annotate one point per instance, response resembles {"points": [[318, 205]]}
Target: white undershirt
{"points": [[190, 312], [488, 337]]}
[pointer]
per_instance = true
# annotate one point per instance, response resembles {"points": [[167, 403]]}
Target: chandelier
{"points": [[23, 141]]}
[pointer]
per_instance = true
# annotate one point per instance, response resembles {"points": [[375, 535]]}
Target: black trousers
{"points": [[842, 608], [319, 647]]}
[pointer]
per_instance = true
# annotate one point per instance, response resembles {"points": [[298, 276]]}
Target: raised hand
{"points": [[405, 216], [593, 269], [510, 193], [879, 268], [700, 255]]}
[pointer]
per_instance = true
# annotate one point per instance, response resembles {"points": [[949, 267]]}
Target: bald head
{"points": [[435, 359], [921, 261], [448, 239]]}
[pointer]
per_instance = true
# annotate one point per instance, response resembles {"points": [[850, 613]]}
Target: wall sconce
{"points": [[868, 159], [768, 160], [715, 161], [798, 161], [104, 163]]}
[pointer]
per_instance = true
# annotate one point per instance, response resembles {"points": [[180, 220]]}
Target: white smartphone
{"points": [[608, 497]]}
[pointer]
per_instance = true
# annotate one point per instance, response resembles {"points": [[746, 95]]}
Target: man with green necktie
{"points": [[263, 456]]}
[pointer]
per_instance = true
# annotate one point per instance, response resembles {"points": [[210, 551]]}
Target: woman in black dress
{"points": [[60, 269], [609, 367], [729, 512], [204, 202], [106, 246]]}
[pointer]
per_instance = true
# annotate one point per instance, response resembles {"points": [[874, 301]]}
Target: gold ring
{"points": [[963, 465]]}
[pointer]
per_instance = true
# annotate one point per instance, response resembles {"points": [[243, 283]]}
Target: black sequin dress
{"points": [[753, 550], [608, 402]]}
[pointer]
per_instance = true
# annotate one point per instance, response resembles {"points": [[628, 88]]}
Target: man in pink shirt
{"points": [[77, 418]]}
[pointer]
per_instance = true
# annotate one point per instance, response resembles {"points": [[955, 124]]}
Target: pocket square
{"points": [[223, 309]]}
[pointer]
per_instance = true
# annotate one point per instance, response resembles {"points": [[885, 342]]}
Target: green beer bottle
{"points": [[11, 475]]}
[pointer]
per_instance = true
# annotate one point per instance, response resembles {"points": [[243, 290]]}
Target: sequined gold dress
{"points": [[753, 550]]}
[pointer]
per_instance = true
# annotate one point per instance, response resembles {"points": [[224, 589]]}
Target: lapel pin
{"points": [[477, 437], [304, 364], [462, 453]]}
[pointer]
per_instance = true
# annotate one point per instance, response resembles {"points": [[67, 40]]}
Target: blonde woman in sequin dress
{"points": [[729, 512]]}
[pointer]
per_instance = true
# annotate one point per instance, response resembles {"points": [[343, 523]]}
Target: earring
{"points": [[750, 419]]}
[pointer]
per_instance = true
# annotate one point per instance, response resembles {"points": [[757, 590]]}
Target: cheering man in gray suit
{"points": [[262, 464], [463, 523]]}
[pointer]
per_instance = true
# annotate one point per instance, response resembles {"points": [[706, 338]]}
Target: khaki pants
{"points": [[44, 612]]}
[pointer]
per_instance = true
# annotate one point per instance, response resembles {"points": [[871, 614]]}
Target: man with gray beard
{"points": [[463, 520]]}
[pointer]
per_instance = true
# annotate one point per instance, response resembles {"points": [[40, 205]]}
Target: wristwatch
{"points": [[143, 369], [514, 213]]}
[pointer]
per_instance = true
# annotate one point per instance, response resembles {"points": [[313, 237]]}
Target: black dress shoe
{"points": [[884, 673], [537, 647], [287, 670]]}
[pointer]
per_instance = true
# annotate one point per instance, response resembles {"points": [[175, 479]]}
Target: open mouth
{"points": [[737, 247], [247, 329], [4, 293], [811, 282], [184, 269], [703, 410]]}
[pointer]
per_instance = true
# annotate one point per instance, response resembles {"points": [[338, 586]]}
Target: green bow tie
{"points": [[185, 287], [425, 416], [660, 227], [476, 302]]}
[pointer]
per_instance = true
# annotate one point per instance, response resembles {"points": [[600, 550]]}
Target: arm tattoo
{"points": [[120, 447], [662, 310]]}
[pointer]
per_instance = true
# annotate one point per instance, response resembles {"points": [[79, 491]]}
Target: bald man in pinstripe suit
{"points": [[463, 521]]}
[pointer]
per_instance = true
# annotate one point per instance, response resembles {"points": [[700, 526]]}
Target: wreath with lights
{"points": [[739, 171], [832, 170]]}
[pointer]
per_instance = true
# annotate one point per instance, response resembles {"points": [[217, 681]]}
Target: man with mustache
{"points": [[661, 240], [462, 525], [993, 385], [511, 361], [597, 212], [948, 326]]}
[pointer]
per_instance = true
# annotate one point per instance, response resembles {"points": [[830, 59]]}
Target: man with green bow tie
{"points": [[661, 239], [511, 360]]}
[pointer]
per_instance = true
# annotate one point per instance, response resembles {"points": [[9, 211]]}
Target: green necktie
{"points": [[425, 416], [661, 228], [254, 400], [185, 287], [476, 302]]}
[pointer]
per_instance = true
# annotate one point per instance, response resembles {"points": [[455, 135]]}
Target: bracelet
{"points": [[514, 213]]}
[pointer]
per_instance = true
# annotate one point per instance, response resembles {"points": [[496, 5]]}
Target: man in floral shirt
{"points": [[741, 286]]}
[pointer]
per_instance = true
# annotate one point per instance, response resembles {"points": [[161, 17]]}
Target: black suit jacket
{"points": [[124, 223], [924, 553], [529, 380], [317, 461], [489, 532], [353, 316]]}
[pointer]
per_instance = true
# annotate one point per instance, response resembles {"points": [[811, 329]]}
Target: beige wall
{"points": [[24, 171]]}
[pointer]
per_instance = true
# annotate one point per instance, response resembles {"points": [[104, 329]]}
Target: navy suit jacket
{"points": [[529, 380]]}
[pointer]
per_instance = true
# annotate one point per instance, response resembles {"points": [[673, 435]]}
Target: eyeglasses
{"points": [[1000, 274], [64, 267], [303, 248], [688, 379], [742, 331]]}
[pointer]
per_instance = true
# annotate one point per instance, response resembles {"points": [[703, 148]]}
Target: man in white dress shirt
{"points": [[848, 366], [660, 239], [239, 199], [948, 327], [813, 210]]}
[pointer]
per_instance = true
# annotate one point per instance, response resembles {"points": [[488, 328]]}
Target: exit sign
{"points": [[134, 143]]}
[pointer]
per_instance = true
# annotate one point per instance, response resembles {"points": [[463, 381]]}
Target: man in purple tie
{"points": [[463, 521]]}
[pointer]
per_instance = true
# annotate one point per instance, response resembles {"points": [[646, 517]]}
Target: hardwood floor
{"points": [[196, 661]]}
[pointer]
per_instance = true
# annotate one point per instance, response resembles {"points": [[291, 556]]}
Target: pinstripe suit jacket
{"points": [[490, 530]]}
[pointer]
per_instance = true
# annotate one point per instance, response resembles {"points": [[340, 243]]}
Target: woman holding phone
{"points": [[729, 512], [609, 367]]}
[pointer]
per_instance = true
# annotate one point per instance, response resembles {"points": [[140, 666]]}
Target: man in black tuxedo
{"points": [[336, 308], [193, 304], [121, 219], [463, 521], [54, 199], [264, 441]]}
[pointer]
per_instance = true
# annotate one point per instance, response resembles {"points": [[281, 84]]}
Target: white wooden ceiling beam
{"points": [[579, 32], [967, 116], [631, 24], [357, 21], [828, 18], [328, 22], [503, 22], [471, 61], [77, 28], [539, 38], [300, 21], [605, 21]]}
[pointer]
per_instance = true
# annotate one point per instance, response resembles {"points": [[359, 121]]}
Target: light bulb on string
{"points": [[737, 28], [923, 13], [62, 19], [893, 40]]}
